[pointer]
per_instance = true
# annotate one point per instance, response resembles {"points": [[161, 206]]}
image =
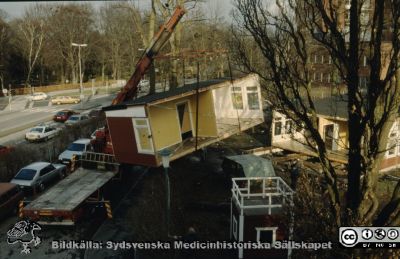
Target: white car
{"points": [[38, 96], [76, 148], [144, 85], [39, 133]]}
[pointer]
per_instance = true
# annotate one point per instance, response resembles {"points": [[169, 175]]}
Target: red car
{"points": [[63, 115]]}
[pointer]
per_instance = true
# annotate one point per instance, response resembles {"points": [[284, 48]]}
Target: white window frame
{"points": [[393, 136], [235, 91], [255, 90], [273, 229], [137, 137], [234, 227]]}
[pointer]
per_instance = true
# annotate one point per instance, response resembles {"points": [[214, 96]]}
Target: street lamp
{"points": [[165, 157], [80, 68]]}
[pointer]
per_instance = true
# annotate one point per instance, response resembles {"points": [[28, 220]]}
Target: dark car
{"points": [[63, 115], [96, 114], [10, 196]]}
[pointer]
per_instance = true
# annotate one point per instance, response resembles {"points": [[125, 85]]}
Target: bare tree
{"points": [[284, 35], [4, 44], [32, 28], [70, 23]]}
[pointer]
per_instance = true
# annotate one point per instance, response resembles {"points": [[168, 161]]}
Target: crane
{"points": [[158, 41], [102, 142]]}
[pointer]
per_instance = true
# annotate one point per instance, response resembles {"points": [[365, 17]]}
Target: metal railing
{"points": [[261, 193]]}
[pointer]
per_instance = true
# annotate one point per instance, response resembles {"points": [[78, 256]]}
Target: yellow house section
{"points": [[165, 126], [164, 119], [343, 129], [207, 121]]}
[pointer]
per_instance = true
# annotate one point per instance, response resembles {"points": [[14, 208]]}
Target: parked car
{"points": [[65, 100], [39, 133], [144, 85], [5, 150], [76, 148], [96, 113], [39, 174], [75, 119], [63, 115], [37, 96], [10, 196]]}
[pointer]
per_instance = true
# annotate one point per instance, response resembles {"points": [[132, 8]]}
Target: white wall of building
{"points": [[223, 100]]}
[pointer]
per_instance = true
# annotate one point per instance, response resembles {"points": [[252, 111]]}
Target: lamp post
{"points": [[80, 68], [165, 157]]}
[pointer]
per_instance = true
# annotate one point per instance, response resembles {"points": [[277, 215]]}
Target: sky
{"points": [[223, 7]]}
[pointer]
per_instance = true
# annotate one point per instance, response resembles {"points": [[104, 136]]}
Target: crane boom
{"points": [[158, 41]]}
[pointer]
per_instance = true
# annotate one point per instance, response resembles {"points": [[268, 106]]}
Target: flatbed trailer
{"points": [[63, 203]]}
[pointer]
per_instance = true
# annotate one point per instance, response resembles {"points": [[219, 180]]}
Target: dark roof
{"points": [[177, 91], [333, 106], [163, 95]]}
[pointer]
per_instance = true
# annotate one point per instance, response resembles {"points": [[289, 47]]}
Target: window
{"points": [[330, 60], [392, 147], [234, 227], [143, 136], [365, 61], [315, 58], [266, 234], [322, 59], [252, 98], [237, 98], [288, 126], [278, 127], [322, 77]]}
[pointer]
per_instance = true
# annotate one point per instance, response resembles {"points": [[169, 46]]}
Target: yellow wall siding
{"points": [[165, 125], [342, 140], [207, 120]]}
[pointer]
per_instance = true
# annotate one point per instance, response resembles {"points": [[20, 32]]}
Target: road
{"points": [[15, 123]]}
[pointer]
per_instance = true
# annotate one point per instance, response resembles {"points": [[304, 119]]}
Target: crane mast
{"points": [[130, 89]]}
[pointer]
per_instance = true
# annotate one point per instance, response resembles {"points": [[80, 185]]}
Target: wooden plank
{"points": [[70, 192], [297, 147]]}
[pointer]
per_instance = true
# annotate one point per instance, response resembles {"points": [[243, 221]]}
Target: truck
{"points": [[65, 203]]}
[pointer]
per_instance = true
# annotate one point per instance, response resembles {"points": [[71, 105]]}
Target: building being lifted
{"points": [[184, 119]]}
